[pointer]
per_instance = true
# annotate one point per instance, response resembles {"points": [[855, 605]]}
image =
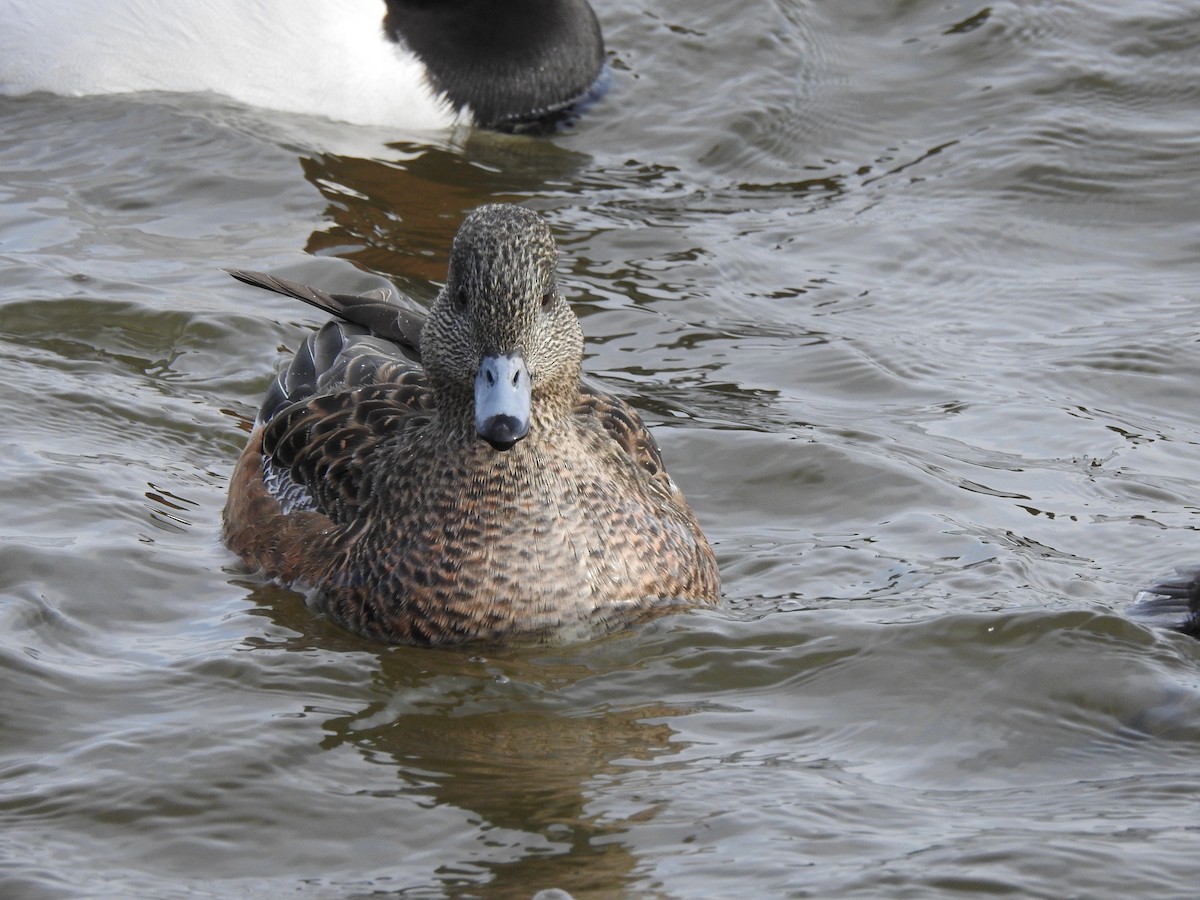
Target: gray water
{"points": [[909, 294]]}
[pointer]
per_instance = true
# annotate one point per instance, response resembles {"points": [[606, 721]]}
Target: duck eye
{"points": [[461, 300], [547, 299]]}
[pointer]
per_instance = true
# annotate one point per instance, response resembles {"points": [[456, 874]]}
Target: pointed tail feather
{"points": [[376, 311]]}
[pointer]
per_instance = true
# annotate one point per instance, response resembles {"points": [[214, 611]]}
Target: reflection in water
{"points": [[398, 215], [525, 773], [501, 739]]}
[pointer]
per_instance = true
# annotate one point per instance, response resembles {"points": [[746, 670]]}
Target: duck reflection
{"points": [[516, 741], [397, 215]]}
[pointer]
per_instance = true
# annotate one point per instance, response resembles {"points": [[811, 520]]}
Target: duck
{"points": [[1171, 602], [405, 63], [449, 477]]}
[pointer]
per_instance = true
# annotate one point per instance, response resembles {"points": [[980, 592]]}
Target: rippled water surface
{"points": [[910, 294]]}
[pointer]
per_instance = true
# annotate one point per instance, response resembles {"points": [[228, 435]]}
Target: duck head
{"points": [[508, 63], [501, 341]]}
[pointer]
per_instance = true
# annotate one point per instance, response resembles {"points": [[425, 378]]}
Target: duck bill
{"points": [[502, 399]]}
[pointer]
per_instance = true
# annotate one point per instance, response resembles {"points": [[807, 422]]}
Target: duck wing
{"points": [[379, 311], [372, 340], [317, 452], [353, 383], [621, 422]]}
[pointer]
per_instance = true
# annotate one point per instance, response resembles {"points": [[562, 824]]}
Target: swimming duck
{"points": [[451, 478], [410, 63], [1171, 602]]}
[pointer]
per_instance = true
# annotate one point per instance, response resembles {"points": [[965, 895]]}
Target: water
{"points": [[908, 292]]}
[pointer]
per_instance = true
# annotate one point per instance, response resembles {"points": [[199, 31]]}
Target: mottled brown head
{"points": [[500, 334]]}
